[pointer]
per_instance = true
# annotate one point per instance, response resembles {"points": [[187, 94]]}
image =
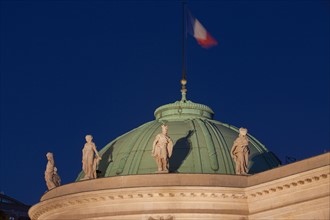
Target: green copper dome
{"points": [[201, 145]]}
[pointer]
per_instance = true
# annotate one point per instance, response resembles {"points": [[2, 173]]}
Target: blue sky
{"points": [[69, 68]]}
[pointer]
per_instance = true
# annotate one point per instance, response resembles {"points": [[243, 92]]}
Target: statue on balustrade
{"points": [[51, 176], [240, 152], [90, 158], [162, 150]]}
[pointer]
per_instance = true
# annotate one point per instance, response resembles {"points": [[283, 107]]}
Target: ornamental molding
{"points": [[70, 201], [288, 185], [213, 194], [168, 217], [65, 202]]}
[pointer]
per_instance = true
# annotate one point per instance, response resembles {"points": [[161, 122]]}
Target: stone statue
{"points": [[162, 150], [52, 178], [240, 152], [56, 177], [90, 158]]}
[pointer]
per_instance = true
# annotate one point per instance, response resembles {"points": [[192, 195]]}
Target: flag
{"points": [[196, 29]]}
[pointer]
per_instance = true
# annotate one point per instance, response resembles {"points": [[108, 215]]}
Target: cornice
{"points": [[172, 193], [288, 185]]}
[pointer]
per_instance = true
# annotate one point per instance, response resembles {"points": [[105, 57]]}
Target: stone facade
{"points": [[300, 190]]}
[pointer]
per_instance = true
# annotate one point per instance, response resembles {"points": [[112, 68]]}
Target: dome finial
{"points": [[183, 90], [184, 78]]}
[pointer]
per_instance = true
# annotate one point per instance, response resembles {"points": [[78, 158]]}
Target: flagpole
{"points": [[184, 77]]}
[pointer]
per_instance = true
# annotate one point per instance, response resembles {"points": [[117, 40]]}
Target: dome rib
{"points": [[209, 145], [224, 149], [126, 153], [130, 146], [198, 163], [268, 156], [143, 144]]}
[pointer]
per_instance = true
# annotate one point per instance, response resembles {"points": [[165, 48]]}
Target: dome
{"points": [[201, 145]]}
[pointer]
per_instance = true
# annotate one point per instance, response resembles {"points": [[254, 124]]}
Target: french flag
{"points": [[196, 29]]}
